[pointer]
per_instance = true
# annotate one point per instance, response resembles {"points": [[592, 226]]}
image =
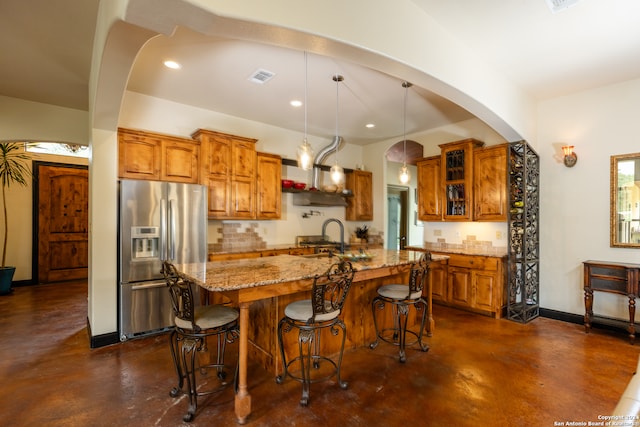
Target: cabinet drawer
{"points": [[474, 262]]}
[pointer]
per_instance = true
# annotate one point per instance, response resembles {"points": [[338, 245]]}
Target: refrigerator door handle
{"points": [[172, 230], [149, 285], [163, 230]]}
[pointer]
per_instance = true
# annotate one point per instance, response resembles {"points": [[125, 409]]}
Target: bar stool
{"points": [[193, 326], [402, 297], [310, 317]]}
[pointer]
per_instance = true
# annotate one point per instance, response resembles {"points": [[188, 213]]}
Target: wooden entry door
{"points": [[63, 222]]}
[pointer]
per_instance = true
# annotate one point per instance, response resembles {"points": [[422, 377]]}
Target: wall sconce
{"points": [[570, 158]]}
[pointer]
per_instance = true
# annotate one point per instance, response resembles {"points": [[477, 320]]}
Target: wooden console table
{"points": [[613, 277]]}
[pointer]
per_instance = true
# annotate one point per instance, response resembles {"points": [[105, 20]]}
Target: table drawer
{"points": [[605, 270], [609, 284]]}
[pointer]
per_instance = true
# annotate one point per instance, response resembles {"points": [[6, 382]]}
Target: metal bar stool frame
{"points": [[402, 297], [312, 316], [193, 326]]}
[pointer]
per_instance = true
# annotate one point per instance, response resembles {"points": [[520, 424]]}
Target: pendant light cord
{"points": [[305, 95], [337, 78], [404, 123]]}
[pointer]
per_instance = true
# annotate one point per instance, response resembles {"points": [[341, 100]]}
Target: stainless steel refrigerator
{"points": [[158, 221]]}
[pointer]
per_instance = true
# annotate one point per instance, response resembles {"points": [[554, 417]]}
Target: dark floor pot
{"points": [[6, 276]]}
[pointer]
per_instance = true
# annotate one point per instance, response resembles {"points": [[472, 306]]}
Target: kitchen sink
{"points": [[319, 255]]}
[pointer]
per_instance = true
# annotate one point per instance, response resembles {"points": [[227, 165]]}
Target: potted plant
{"points": [[362, 233], [13, 170]]}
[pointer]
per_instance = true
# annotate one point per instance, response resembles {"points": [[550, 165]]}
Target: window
{"points": [[58, 148]]}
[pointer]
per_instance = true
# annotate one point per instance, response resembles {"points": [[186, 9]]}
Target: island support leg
{"points": [[243, 398], [430, 321], [632, 315]]}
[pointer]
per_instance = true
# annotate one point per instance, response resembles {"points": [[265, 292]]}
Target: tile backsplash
{"points": [[236, 236]]}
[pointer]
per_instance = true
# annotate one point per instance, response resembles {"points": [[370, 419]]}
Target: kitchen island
{"points": [[262, 287]]}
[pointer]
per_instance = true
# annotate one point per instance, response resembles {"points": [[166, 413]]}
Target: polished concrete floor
{"points": [[479, 371]]}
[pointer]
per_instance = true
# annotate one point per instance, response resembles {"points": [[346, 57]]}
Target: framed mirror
{"points": [[625, 201]]}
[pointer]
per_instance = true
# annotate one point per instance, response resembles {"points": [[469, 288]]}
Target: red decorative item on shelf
{"points": [[287, 183], [299, 185]]}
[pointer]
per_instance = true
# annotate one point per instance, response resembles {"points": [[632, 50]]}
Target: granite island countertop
{"points": [[221, 276], [491, 251]]}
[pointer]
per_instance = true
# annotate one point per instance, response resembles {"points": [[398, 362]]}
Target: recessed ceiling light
{"points": [[172, 64], [296, 103], [370, 125]]}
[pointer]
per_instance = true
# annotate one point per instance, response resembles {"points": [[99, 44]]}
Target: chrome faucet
{"points": [[324, 229]]}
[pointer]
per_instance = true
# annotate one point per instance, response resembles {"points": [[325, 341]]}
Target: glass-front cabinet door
{"points": [[457, 179]]}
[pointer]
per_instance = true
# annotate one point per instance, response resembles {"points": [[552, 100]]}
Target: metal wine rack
{"points": [[523, 293]]}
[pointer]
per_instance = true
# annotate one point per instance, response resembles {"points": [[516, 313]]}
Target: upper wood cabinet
{"points": [[429, 189], [457, 179], [157, 157], [360, 206], [490, 183], [269, 189], [228, 168], [466, 182]]}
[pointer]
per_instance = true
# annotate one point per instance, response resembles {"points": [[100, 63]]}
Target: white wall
{"points": [[25, 121], [34, 121], [574, 204]]}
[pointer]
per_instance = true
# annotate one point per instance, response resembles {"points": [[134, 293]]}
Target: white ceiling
{"points": [[46, 55]]}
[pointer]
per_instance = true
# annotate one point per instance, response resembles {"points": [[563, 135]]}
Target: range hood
{"points": [[318, 198]]}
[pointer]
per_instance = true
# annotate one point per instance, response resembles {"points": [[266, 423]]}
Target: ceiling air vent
{"points": [[261, 76], [559, 5]]}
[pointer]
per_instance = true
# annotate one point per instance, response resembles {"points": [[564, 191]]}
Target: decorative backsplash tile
{"points": [[468, 245], [236, 238]]}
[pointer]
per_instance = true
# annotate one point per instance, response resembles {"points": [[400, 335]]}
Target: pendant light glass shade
{"points": [[403, 174], [337, 173], [305, 156], [305, 152]]}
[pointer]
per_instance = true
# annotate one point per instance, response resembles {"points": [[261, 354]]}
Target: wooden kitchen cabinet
{"points": [[268, 186], [438, 277], [490, 183], [360, 206], [157, 157], [459, 286], [228, 169], [429, 189], [476, 283], [457, 179]]}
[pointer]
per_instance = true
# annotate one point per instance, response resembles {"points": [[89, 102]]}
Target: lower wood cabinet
{"points": [[473, 282], [438, 276]]}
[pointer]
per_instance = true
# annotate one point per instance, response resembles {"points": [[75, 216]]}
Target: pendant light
{"points": [[403, 174], [305, 152], [336, 172]]}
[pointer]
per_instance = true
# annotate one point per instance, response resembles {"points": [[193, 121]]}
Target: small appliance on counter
{"points": [[157, 221]]}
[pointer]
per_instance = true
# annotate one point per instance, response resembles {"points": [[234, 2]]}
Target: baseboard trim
{"points": [[598, 322], [102, 340], [561, 315]]}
